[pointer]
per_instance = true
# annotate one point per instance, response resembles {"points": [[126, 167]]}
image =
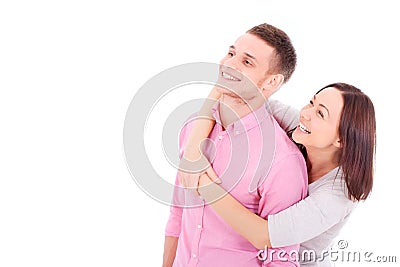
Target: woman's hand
{"points": [[191, 167]]}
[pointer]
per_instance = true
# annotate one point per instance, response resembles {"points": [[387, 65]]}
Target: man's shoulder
{"points": [[284, 145], [185, 129]]}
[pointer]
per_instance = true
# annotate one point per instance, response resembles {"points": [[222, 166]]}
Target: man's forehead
{"points": [[253, 45]]}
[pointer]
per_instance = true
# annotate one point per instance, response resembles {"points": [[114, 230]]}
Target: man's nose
{"points": [[231, 63]]}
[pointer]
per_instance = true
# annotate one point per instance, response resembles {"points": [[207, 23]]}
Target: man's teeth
{"points": [[229, 77], [304, 128]]}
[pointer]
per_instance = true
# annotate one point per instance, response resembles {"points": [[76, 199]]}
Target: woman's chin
{"points": [[297, 136]]}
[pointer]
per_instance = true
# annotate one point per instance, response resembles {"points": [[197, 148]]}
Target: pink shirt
{"points": [[262, 169]]}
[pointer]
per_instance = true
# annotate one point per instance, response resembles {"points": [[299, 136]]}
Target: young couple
{"points": [[279, 180]]}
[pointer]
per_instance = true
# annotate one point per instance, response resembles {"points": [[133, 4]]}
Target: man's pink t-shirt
{"points": [[261, 168]]}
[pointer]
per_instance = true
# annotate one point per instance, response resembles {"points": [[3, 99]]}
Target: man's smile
{"points": [[230, 77]]}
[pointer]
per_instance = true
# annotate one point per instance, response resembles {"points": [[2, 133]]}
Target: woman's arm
{"points": [[247, 224], [202, 127], [286, 116], [301, 222], [193, 159]]}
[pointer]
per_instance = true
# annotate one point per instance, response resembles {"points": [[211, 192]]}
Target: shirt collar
{"points": [[244, 124]]}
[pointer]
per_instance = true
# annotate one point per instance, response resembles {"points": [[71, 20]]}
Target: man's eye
{"points": [[247, 62], [230, 54]]}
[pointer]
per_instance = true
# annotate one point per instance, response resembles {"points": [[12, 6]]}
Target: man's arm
{"points": [[173, 227], [170, 245]]}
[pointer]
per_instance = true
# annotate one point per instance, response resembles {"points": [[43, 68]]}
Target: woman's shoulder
{"points": [[331, 190], [333, 177]]}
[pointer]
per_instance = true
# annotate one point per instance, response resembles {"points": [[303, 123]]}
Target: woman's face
{"points": [[319, 121]]}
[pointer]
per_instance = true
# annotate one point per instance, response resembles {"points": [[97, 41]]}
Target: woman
{"points": [[336, 133]]}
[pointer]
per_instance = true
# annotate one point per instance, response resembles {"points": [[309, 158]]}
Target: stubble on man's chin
{"points": [[231, 98]]}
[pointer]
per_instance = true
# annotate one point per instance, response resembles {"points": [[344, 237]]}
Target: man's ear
{"points": [[271, 84]]}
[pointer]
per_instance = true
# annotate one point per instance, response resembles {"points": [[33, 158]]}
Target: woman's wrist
{"points": [[192, 154], [209, 190]]}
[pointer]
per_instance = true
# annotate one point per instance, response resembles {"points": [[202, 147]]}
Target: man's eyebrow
{"points": [[322, 105], [247, 54], [250, 56]]}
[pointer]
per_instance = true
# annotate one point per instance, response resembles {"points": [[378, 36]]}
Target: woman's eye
{"points": [[230, 54], [247, 62], [321, 114]]}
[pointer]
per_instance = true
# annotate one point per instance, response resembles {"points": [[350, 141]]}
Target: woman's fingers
{"points": [[213, 176]]}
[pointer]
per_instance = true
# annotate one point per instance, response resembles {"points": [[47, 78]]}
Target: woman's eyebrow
{"points": [[322, 105]]}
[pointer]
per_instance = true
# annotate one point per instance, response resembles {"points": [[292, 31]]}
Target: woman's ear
{"points": [[337, 143], [271, 84]]}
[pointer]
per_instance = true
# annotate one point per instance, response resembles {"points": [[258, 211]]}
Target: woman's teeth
{"points": [[303, 128]]}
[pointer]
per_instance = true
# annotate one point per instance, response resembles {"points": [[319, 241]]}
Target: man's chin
{"points": [[226, 92]]}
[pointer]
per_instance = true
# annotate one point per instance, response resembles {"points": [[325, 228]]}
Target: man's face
{"points": [[244, 68]]}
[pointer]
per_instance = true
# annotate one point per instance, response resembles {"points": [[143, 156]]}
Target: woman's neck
{"points": [[320, 163]]}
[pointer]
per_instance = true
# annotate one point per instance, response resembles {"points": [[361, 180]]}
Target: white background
{"points": [[69, 69]]}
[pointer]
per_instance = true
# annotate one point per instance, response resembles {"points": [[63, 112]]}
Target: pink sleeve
{"points": [[285, 185], [173, 227]]}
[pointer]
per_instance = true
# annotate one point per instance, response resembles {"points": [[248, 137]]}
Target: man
{"points": [[251, 154]]}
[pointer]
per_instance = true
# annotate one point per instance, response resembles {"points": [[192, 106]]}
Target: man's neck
{"points": [[233, 108]]}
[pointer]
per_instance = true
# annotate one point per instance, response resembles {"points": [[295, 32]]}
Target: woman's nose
{"points": [[305, 113]]}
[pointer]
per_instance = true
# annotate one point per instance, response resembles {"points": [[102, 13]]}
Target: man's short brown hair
{"points": [[285, 59]]}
